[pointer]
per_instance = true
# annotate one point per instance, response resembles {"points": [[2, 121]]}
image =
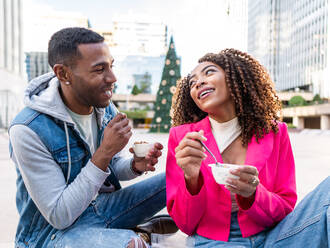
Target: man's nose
{"points": [[110, 77]]}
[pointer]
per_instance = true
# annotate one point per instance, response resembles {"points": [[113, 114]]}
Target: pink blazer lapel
{"points": [[258, 153]]}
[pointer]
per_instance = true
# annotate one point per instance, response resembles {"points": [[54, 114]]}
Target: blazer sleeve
{"points": [[270, 207], [185, 209]]}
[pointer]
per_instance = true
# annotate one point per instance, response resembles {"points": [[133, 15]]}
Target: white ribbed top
{"points": [[225, 133]]}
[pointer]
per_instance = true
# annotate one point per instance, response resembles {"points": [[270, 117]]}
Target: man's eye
{"points": [[99, 70]]}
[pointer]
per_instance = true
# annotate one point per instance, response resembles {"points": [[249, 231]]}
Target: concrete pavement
{"points": [[311, 151]]}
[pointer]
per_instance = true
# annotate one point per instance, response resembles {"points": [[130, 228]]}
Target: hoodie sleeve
{"points": [[59, 203], [123, 167]]}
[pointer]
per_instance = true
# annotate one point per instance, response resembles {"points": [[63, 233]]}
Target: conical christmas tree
{"points": [[171, 73]]}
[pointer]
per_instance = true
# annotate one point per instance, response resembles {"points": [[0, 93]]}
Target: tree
{"points": [[171, 73], [317, 99], [143, 83], [297, 101], [135, 90]]}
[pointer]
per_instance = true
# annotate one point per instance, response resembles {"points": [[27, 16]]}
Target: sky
{"points": [[198, 26]]}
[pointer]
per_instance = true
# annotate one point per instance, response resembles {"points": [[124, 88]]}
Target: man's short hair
{"points": [[63, 45]]}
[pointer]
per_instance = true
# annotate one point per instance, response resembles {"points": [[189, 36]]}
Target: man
{"points": [[65, 146]]}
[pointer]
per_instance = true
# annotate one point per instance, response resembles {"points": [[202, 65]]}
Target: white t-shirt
{"points": [[87, 126]]}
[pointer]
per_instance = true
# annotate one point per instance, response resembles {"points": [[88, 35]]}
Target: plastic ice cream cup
{"points": [[141, 148], [221, 172]]}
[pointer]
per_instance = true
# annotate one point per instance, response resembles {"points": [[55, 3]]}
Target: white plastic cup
{"points": [[141, 149], [221, 173]]}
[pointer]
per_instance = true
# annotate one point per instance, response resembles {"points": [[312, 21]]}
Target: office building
{"points": [[36, 64], [291, 39], [139, 35], [133, 68], [43, 21], [11, 60], [138, 45], [11, 53]]}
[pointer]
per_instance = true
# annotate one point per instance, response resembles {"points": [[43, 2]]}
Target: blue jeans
{"points": [[308, 226], [106, 222]]}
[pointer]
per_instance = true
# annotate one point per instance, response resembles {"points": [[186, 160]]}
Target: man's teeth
{"points": [[205, 92], [108, 92]]}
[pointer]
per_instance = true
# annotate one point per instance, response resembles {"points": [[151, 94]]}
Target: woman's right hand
{"points": [[190, 153]]}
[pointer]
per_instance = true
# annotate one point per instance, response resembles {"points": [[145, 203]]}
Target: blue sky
{"points": [[198, 26]]}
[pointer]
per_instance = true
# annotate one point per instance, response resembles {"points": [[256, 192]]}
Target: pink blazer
{"points": [[208, 213]]}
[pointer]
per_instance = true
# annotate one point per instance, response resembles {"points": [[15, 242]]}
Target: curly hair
{"points": [[257, 106]]}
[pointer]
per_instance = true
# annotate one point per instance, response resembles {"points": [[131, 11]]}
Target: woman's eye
{"points": [[192, 83], [209, 72]]}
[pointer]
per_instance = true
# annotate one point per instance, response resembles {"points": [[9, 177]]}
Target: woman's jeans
{"points": [[308, 226], [106, 221]]}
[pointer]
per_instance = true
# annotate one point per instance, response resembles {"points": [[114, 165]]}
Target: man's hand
{"points": [[116, 136], [148, 162]]}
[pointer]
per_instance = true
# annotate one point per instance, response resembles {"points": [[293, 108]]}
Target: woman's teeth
{"points": [[205, 92]]}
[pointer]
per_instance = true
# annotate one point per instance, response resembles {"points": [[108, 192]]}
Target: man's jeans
{"points": [[106, 221], [308, 226]]}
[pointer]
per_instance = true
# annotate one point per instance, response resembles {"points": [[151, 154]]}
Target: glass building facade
{"points": [[11, 60], [11, 54], [290, 38], [36, 64], [127, 69]]}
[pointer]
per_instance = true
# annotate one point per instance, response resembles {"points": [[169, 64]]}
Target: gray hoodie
{"points": [[62, 203]]}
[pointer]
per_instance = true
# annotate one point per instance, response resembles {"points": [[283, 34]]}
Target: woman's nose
{"points": [[200, 82]]}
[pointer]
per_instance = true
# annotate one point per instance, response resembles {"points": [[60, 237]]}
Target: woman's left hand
{"points": [[247, 182]]}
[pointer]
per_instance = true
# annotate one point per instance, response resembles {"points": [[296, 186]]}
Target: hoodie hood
{"points": [[42, 94]]}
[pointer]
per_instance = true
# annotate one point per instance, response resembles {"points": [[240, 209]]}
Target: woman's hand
{"points": [[247, 182], [189, 155]]}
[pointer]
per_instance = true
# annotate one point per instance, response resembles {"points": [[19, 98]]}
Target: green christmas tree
{"points": [[171, 73]]}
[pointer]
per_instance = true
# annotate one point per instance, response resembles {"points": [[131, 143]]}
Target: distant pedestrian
{"points": [[229, 103]]}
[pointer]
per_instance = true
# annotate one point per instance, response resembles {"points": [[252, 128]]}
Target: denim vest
{"points": [[33, 229]]}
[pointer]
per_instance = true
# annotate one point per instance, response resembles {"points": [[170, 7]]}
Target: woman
{"points": [[228, 102]]}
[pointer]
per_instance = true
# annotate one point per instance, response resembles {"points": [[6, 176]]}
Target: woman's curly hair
{"points": [[256, 104]]}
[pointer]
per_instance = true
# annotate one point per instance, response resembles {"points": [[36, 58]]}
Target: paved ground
{"points": [[310, 147]]}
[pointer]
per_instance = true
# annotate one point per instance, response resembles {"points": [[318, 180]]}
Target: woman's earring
{"points": [[67, 82]]}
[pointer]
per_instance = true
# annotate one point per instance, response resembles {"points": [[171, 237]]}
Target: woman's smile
{"points": [[205, 92]]}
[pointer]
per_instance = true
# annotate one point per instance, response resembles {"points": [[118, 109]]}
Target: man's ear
{"points": [[62, 72]]}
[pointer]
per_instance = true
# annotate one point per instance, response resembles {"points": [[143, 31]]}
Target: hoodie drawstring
{"points": [[68, 150]]}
